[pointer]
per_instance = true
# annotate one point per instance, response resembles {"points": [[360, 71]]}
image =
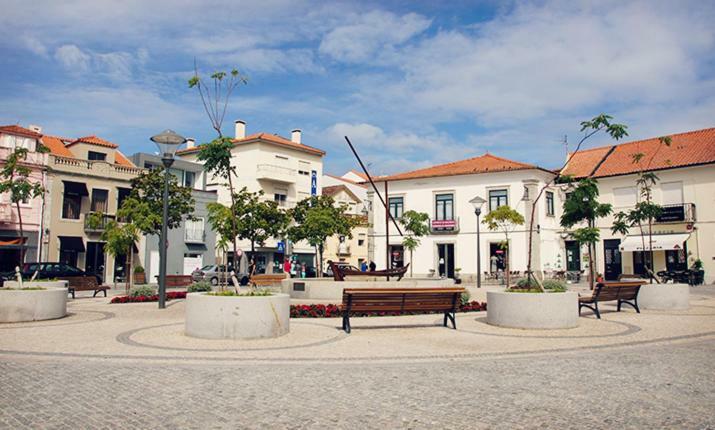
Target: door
{"points": [[192, 262], [397, 256], [153, 267], [640, 260], [573, 256], [612, 259], [94, 263], [675, 259], [497, 262], [445, 260]]}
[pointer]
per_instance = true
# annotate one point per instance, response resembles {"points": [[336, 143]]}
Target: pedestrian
{"points": [[286, 265], [363, 266], [373, 267], [294, 269], [302, 270]]}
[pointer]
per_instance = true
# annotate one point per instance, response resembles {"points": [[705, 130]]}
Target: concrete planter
{"points": [[238, 317], [33, 305], [532, 310], [664, 297]]}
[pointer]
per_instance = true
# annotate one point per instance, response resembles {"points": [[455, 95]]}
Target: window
{"points": [[280, 199], [497, 198], [444, 207], [550, 203], [303, 172], [397, 206], [96, 156], [71, 205], [281, 157], [361, 242], [194, 230], [189, 178], [122, 194], [99, 200]]}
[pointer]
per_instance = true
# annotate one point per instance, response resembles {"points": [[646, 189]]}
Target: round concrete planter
{"points": [[237, 317], [532, 310], [33, 305], [664, 297]]}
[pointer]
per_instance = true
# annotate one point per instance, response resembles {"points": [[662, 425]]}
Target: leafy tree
{"points": [[600, 123], [15, 180], [318, 218], [257, 219], [582, 205], [119, 239], [505, 220], [645, 211], [216, 155], [415, 224]]}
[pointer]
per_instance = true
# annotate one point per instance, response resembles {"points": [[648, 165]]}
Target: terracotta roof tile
{"points": [[686, 149], [56, 146], [482, 164], [121, 160], [94, 140], [272, 138], [332, 190], [21, 131]]}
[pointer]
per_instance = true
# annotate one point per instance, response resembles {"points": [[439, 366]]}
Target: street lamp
{"points": [[168, 142], [478, 202]]}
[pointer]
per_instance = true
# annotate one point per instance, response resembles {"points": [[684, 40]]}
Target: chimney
{"points": [[35, 128], [190, 142], [295, 135], [240, 129]]}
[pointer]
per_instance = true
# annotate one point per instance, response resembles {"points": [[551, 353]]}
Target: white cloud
{"points": [[73, 59], [34, 45], [116, 65], [369, 33]]}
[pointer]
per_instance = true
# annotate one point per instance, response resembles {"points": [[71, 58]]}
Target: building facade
{"points": [[352, 250], [286, 170], [444, 193], [11, 241], [193, 244]]}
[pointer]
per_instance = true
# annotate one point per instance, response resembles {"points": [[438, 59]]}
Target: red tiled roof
{"points": [[360, 174], [94, 140], [121, 160], [20, 131], [272, 138], [340, 178], [56, 146], [483, 164], [686, 149]]}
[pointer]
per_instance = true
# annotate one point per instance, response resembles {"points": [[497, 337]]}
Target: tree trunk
{"points": [[506, 266], [233, 222], [320, 253], [411, 265], [127, 271], [22, 236]]}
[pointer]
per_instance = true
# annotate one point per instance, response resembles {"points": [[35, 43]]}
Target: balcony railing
{"points": [[194, 235], [683, 212], [96, 222], [343, 250], [444, 226], [275, 173]]}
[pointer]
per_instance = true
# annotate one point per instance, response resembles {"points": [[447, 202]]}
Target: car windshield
{"points": [[207, 267]]}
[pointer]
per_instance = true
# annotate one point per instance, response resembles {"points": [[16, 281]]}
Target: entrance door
{"points": [[94, 262], [153, 267], [446, 259], [496, 258], [675, 260], [640, 260], [612, 259], [573, 256], [397, 256]]}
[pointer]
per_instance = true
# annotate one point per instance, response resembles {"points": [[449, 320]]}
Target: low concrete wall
{"points": [[328, 289], [532, 310], [664, 297], [238, 317], [33, 305]]}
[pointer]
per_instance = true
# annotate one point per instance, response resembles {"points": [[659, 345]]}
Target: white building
{"points": [[286, 170], [444, 192]]}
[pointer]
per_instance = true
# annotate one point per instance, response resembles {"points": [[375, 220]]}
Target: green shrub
{"points": [[465, 298], [199, 287], [554, 286], [138, 269], [526, 283], [233, 293], [142, 290]]}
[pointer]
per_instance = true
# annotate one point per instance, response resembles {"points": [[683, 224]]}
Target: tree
{"points": [[415, 224], [582, 205], [216, 155], [257, 219], [119, 239], [645, 211], [317, 218], [504, 219], [589, 128], [15, 180], [221, 220]]}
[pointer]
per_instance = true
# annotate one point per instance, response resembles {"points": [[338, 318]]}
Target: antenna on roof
{"points": [[565, 142]]}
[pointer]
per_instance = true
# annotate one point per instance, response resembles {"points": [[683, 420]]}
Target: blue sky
{"points": [[413, 83]]}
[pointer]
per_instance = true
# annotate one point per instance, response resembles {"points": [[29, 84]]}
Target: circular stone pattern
{"points": [[237, 317], [664, 297], [532, 310], [33, 305]]}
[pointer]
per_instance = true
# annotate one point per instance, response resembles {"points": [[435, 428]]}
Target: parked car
{"points": [[50, 270], [343, 265], [215, 273]]}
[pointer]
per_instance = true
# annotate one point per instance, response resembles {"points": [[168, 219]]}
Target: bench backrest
{"points": [[268, 279], [606, 291], [88, 282], [402, 300]]}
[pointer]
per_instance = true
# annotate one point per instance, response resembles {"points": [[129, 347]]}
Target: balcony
{"points": [[195, 235], [343, 250], [444, 226], [272, 172], [97, 223], [683, 212]]}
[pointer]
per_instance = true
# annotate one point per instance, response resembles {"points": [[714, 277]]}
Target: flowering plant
{"points": [[334, 311], [153, 298]]}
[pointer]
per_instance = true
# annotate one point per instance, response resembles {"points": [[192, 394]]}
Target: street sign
{"points": [[281, 247], [313, 183]]}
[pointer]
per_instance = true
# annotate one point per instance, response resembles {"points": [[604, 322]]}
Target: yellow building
{"points": [[341, 248]]}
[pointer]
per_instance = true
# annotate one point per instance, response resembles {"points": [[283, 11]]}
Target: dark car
{"points": [[52, 271]]}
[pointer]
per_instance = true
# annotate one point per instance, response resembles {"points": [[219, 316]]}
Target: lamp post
{"points": [[167, 142], [478, 202]]}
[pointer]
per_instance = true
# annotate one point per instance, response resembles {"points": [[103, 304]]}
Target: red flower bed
{"points": [[155, 298], [333, 311]]}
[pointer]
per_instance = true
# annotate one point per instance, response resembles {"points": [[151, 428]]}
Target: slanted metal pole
{"points": [[387, 233]]}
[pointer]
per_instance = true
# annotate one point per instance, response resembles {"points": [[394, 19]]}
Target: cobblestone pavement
{"points": [[130, 366]]}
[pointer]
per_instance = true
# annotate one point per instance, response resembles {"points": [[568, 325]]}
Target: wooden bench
{"points": [[357, 300], [267, 279], [624, 292], [84, 283]]}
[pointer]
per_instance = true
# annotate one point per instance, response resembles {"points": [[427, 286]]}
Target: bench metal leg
{"points": [[633, 304], [450, 316], [71, 291], [346, 323], [594, 308]]}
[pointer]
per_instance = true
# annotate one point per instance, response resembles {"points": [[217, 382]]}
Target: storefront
{"points": [[669, 252]]}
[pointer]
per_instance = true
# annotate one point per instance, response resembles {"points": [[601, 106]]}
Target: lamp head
{"points": [[477, 202], [168, 142]]}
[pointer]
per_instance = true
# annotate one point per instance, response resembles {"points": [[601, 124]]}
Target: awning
{"points": [[196, 247], [9, 241], [76, 188], [661, 242], [71, 243]]}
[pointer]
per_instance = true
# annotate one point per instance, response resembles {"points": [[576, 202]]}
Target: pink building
{"points": [[11, 137]]}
